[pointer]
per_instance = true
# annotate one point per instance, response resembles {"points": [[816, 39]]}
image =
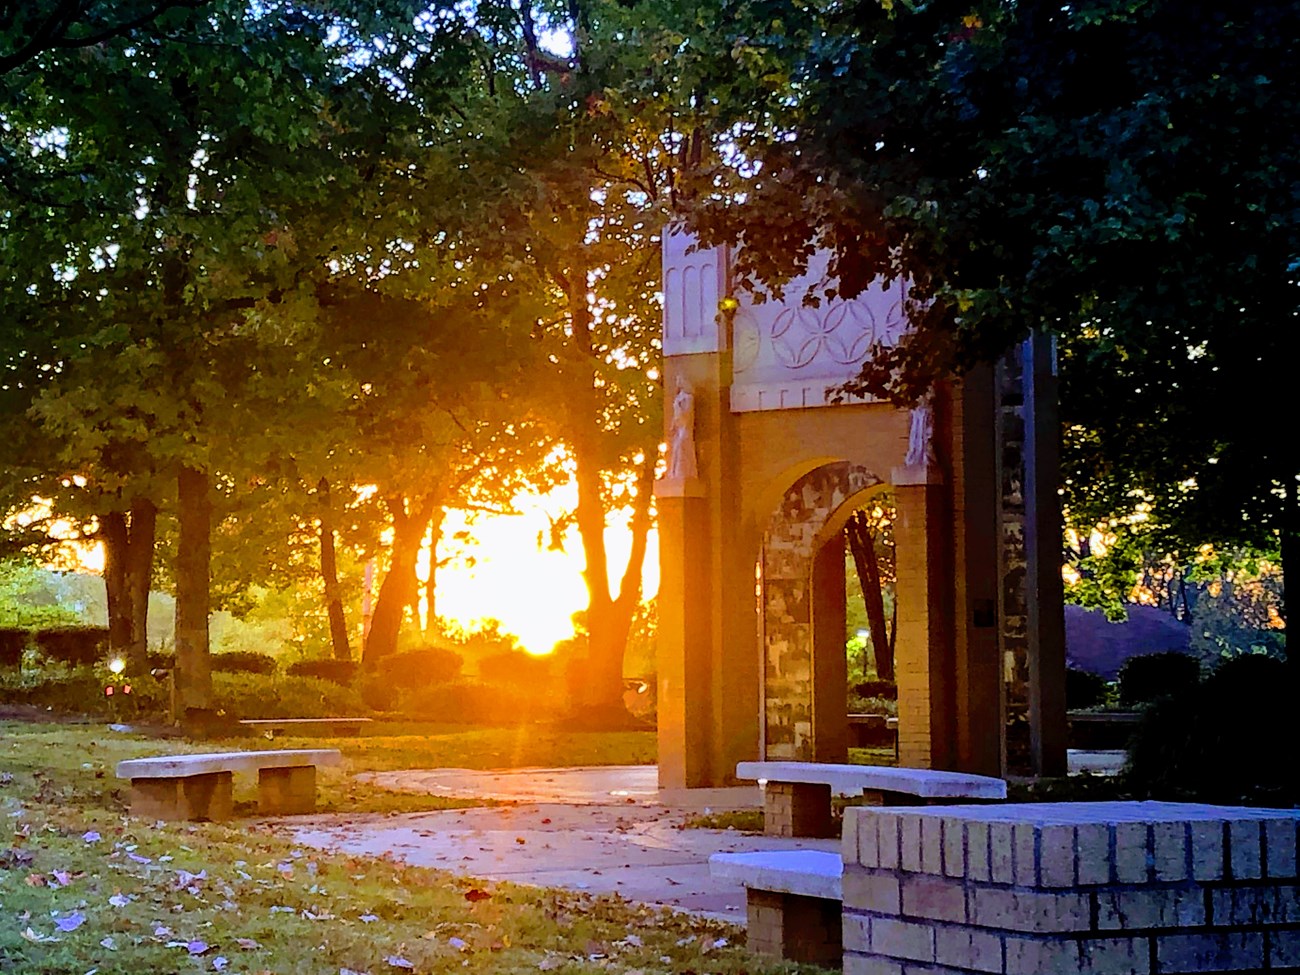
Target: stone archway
{"points": [[801, 597]]}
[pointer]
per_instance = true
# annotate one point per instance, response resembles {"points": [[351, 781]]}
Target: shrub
{"points": [[245, 695], [337, 671], [465, 702], [1084, 689], [1216, 741], [1156, 675], [75, 645], [418, 668], [81, 691], [877, 688], [243, 662], [515, 667], [13, 641]]}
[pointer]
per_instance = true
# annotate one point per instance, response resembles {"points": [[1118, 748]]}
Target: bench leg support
{"points": [[797, 809], [286, 791], [194, 797], [795, 928]]}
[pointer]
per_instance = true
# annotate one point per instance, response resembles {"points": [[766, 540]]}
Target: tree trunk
{"points": [[431, 582], [400, 586], [139, 580], [113, 534], [193, 599], [329, 571], [863, 547]]}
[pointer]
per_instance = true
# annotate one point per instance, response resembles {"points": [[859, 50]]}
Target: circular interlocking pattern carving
{"points": [[842, 331]]}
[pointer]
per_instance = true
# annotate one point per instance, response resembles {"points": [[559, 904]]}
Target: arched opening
{"points": [[802, 596]]}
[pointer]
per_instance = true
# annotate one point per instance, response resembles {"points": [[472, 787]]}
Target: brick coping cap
{"points": [[1076, 813], [182, 766], [854, 779]]}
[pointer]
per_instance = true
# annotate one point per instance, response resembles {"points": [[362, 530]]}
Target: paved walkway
{"points": [[604, 830]]}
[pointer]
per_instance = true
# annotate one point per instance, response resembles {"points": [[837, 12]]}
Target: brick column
{"points": [[923, 644], [797, 809], [684, 709], [793, 927], [286, 791], [193, 797]]}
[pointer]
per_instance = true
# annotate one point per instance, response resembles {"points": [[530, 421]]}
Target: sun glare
{"points": [[518, 580]]}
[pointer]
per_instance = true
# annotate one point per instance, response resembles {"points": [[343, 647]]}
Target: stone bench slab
{"points": [[184, 766], [851, 780], [806, 873]]}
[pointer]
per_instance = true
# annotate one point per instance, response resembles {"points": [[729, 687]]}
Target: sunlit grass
{"points": [[135, 896]]}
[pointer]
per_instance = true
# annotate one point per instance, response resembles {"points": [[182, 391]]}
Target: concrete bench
{"points": [[797, 795], [200, 786], [792, 900], [275, 726]]}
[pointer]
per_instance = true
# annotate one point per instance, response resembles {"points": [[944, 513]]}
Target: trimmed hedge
{"points": [[13, 641], [1155, 675], [81, 691], [418, 668], [877, 688], [1224, 740], [243, 662], [74, 645], [338, 671], [244, 695], [466, 702], [1083, 690]]}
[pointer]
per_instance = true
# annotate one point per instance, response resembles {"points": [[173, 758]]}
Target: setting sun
{"points": [[532, 590]]}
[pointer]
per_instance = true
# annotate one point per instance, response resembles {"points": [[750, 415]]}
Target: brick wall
{"points": [[1050, 888]]}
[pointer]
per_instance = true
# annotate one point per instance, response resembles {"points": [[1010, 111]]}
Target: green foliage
{"points": [[338, 671], [1084, 690], [1219, 740], [1239, 614], [1110, 172], [1151, 676], [244, 695], [243, 662], [29, 597]]}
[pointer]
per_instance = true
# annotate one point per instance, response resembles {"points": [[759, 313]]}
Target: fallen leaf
{"points": [[36, 880], [475, 894], [368, 918], [90, 836], [248, 944], [108, 943], [458, 943], [38, 939], [219, 963], [396, 961], [197, 947], [71, 922]]}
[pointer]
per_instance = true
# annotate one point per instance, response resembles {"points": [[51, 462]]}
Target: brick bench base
{"points": [[793, 902], [794, 927], [1121, 888]]}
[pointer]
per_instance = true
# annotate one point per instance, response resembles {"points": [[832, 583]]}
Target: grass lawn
{"points": [[85, 887]]}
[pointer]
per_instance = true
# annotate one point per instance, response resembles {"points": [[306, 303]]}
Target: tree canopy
{"points": [[1123, 175]]}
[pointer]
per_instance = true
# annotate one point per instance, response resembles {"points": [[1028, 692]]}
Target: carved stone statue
{"points": [[920, 441], [681, 435]]}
